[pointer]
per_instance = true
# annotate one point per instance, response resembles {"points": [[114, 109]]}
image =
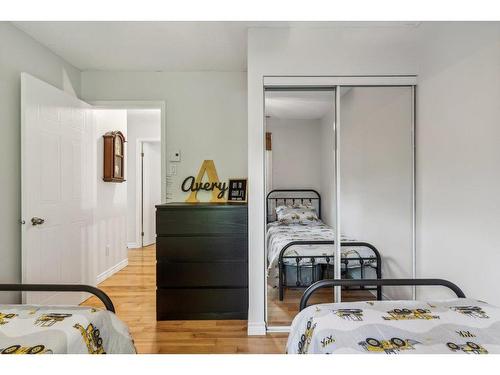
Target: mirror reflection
{"points": [[375, 201]]}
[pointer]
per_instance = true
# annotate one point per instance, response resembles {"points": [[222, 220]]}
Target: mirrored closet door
{"points": [[300, 189], [339, 172], [376, 187]]}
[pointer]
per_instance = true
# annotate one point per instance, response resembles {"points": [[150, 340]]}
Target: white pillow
{"points": [[296, 214]]}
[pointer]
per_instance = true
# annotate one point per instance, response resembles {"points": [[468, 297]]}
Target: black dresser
{"points": [[201, 261]]}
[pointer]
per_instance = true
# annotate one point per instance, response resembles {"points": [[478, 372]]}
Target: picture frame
{"points": [[237, 190]]}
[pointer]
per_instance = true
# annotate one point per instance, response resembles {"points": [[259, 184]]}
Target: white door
{"points": [[56, 132], [151, 189]]}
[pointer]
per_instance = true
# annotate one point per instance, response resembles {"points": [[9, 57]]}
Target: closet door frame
{"points": [[335, 83]]}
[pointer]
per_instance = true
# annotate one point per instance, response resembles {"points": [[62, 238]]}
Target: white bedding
{"points": [[279, 235], [460, 325], [32, 329]]}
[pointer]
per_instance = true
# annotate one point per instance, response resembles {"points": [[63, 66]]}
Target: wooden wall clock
{"points": [[114, 157]]}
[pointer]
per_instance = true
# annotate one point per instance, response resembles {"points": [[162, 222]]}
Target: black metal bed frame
{"points": [[379, 282], [311, 196], [60, 288], [345, 261]]}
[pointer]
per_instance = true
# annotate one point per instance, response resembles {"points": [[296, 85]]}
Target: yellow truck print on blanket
{"points": [[92, 338], [407, 314], [392, 346], [18, 349], [4, 318]]}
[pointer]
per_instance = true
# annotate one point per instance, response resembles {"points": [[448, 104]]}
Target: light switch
{"points": [[173, 170]]}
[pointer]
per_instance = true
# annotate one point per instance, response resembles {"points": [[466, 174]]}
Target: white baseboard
{"points": [[256, 328], [111, 271], [132, 245]]}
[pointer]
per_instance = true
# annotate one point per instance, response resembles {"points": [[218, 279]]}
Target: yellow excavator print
{"points": [[471, 311], [469, 347], [349, 314], [92, 338], [48, 320], [392, 346], [18, 349], [305, 339], [4, 317], [407, 314]]}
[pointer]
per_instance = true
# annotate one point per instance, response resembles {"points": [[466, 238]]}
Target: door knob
{"points": [[37, 221]]}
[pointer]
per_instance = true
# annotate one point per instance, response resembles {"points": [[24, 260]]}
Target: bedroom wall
{"points": [[206, 116], [458, 158], [144, 124], [20, 53], [296, 156], [110, 209]]}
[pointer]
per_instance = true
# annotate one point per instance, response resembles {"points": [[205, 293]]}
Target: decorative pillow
{"points": [[296, 214]]}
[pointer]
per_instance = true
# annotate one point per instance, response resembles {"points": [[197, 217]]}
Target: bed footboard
{"points": [[60, 288], [361, 260], [379, 282]]}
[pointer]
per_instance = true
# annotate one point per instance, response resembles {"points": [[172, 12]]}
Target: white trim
{"points": [[132, 245], [256, 329], [338, 251], [332, 81], [145, 104], [138, 186], [278, 329], [111, 271]]}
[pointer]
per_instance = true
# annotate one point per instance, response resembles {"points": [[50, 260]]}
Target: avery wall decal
{"points": [[194, 185]]}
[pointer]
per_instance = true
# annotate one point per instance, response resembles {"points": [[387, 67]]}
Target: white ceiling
{"points": [[298, 105], [160, 46]]}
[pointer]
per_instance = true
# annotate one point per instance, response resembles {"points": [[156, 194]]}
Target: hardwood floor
{"points": [[281, 313], [133, 293]]}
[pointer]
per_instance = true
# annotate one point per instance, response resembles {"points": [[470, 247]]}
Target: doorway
{"points": [[150, 189]]}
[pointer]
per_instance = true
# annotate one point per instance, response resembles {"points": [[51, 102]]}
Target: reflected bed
{"points": [[302, 252]]}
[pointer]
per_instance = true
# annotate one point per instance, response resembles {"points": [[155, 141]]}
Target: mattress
{"points": [[32, 329], [279, 235], [455, 326]]}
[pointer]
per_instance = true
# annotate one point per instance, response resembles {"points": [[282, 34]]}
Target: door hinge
{"points": [[142, 154], [142, 234]]}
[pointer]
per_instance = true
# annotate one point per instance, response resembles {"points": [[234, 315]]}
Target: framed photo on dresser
{"points": [[237, 191]]}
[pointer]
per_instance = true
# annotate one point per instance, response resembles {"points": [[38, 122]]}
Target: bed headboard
{"points": [[281, 197]]}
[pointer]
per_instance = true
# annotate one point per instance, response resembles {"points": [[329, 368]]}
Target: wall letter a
{"points": [[207, 167]]}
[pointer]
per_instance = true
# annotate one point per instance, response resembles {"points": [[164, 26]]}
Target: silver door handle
{"points": [[37, 221]]}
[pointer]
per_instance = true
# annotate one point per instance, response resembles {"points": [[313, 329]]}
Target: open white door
{"points": [[151, 189], [56, 136]]}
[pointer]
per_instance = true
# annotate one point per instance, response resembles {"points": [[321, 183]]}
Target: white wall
{"points": [[206, 116], [110, 212], [458, 157], [296, 153], [20, 53], [141, 124]]}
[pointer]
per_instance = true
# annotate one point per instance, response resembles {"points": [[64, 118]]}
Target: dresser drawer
{"points": [[197, 249], [210, 303], [201, 221], [203, 275]]}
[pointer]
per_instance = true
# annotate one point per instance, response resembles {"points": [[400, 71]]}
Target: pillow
{"points": [[296, 214]]}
